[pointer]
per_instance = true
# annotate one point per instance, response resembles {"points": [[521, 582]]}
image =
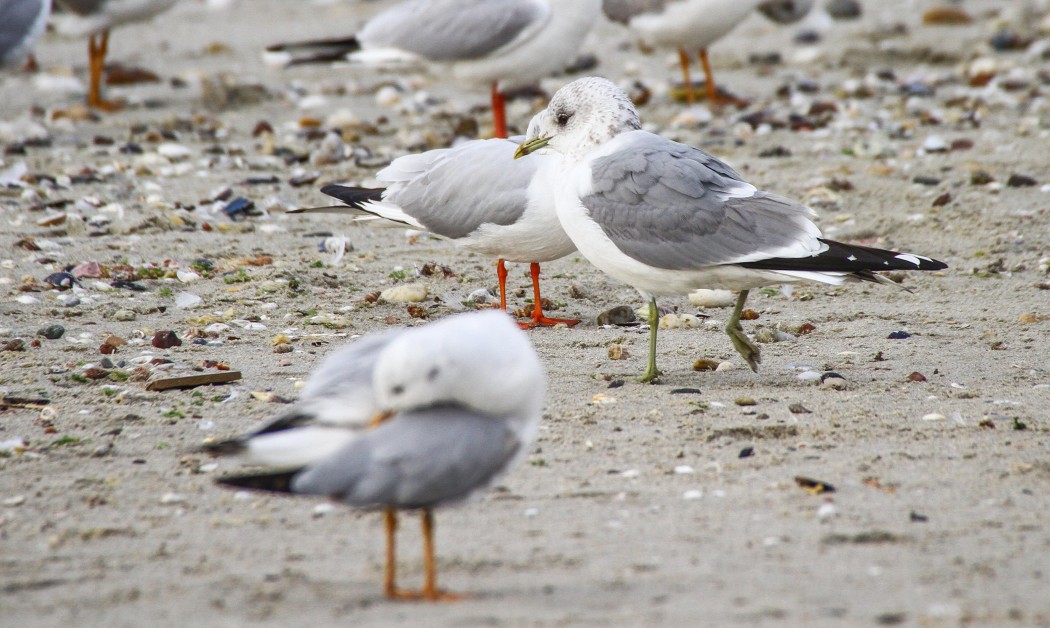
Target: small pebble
{"points": [[684, 469], [692, 495], [746, 452], [899, 335], [916, 377], [933, 416], [165, 340], [1020, 181], [172, 498], [619, 315], [843, 9], [52, 332], [712, 298], [408, 293]]}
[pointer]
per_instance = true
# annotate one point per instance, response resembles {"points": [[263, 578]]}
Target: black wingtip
{"points": [[223, 448], [327, 50], [277, 482], [851, 258], [354, 197]]}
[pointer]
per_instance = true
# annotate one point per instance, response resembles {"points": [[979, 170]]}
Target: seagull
{"points": [[95, 18], [22, 22], [667, 218], [410, 419], [695, 25], [477, 195], [498, 43]]}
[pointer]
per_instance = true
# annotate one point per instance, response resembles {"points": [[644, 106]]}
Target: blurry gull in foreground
{"points": [[22, 22], [454, 405], [695, 25], [498, 43], [477, 195], [668, 218], [95, 18]]}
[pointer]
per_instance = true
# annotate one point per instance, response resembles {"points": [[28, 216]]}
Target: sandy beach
{"points": [[670, 505]]}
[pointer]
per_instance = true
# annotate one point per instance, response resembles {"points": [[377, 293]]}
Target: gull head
{"points": [[581, 116], [479, 360], [785, 11]]}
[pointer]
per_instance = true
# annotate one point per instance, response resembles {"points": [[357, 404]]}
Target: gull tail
{"points": [[274, 482], [356, 198], [313, 51], [858, 262]]}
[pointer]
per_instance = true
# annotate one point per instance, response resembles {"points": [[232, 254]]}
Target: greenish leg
{"points": [[652, 374], [741, 343]]}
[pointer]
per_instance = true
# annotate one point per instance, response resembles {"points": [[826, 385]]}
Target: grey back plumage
{"points": [[83, 7], [454, 191], [415, 460], [676, 207], [451, 30]]}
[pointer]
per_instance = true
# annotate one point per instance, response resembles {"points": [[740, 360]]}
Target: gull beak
{"points": [[531, 146]]}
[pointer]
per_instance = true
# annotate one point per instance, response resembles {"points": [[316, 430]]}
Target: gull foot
{"points": [[405, 595], [544, 321], [747, 349]]}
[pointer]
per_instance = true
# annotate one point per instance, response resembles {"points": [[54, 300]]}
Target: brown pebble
{"points": [[262, 127], [916, 377], [942, 200], [165, 340], [805, 328], [1020, 181], [107, 349], [749, 315], [95, 373], [814, 486], [798, 408], [945, 15], [283, 348], [703, 364], [617, 352], [981, 177], [417, 311]]}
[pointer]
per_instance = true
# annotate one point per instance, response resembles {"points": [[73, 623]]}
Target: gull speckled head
{"points": [[581, 116]]}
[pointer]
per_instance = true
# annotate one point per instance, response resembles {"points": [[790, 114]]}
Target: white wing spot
{"points": [[913, 259], [852, 258]]}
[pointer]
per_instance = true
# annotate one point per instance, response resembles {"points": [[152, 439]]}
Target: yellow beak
{"points": [[531, 146]]}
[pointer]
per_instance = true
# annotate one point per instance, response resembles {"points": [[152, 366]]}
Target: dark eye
{"points": [[397, 390], [563, 118], [433, 373]]}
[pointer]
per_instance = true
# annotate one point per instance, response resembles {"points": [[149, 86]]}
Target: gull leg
{"points": [[741, 343], [499, 112], [538, 319], [501, 273], [430, 590], [98, 46], [390, 575], [652, 374], [683, 61], [710, 89]]}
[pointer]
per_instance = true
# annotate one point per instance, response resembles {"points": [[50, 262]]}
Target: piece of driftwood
{"points": [[192, 381]]}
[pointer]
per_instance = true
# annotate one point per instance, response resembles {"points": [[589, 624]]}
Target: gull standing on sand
{"points": [[411, 419], [695, 25], [95, 18], [22, 22], [477, 195], [498, 43], [668, 218]]}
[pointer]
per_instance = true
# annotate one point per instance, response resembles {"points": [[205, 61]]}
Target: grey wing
{"points": [[452, 30], [785, 11], [417, 459], [17, 19], [340, 391], [456, 190], [623, 10], [675, 207]]}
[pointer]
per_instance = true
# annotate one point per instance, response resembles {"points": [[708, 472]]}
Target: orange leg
{"points": [[710, 89], [683, 61], [499, 112], [430, 590], [501, 273], [538, 319], [98, 46]]}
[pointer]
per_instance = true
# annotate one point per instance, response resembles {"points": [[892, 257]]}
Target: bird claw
{"points": [[543, 321], [747, 349], [407, 595]]}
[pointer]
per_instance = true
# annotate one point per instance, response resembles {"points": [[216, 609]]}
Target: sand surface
{"points": [[635, 508]]}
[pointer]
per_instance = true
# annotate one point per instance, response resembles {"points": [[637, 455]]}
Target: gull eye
{"points": [[563, 118], [397, 390]]}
